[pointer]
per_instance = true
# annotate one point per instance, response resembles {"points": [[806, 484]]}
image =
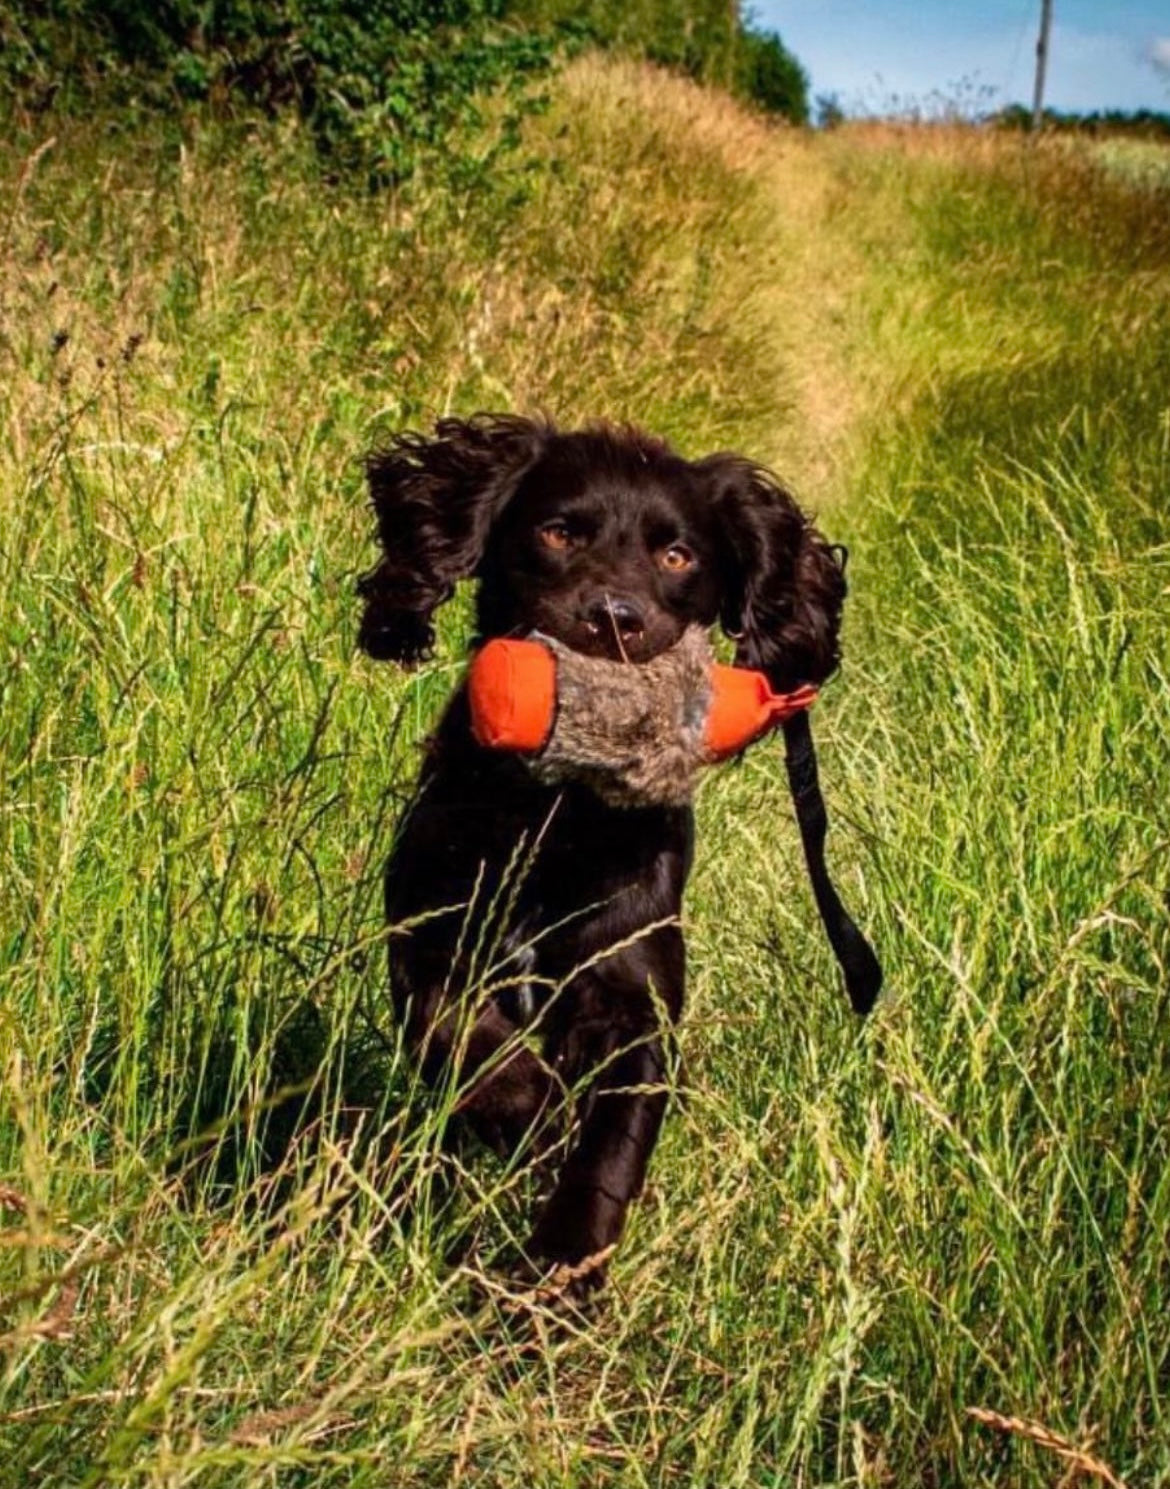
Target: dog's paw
{"points": [[564, 1286]]}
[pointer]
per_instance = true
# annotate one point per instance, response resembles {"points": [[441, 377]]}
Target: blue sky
{"points": [[1111, 54]]}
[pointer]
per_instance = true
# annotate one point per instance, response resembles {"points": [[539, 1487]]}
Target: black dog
{"points": [[613, 544]]}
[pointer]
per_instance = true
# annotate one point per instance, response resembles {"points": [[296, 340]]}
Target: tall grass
{"points": [[1013, 568], [231, 1250]]}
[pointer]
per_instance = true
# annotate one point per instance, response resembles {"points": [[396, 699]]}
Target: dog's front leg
{"points": [[620, 1017], [606, 1167]]}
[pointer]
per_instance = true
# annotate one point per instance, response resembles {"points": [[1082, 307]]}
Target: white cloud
{"points": [[1158, 53]]}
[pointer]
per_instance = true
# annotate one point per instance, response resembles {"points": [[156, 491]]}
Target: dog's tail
{"points": [[858, 961]]}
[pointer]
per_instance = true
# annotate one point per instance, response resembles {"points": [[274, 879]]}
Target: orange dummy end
{"points": [[512, 690], [743, 706]]}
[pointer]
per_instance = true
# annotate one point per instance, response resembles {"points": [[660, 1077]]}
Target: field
{"points": [[926, 1250]]}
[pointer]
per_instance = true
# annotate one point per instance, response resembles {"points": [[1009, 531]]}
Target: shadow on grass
{"points": [[259, 1103]]}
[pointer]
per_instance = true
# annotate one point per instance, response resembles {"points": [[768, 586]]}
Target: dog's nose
{"points": [[620, 616]]}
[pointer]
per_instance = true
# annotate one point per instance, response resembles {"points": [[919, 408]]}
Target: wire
{"points": [[1011, 72]]}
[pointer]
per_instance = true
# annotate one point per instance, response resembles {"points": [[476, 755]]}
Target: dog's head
{"points": [[604, 539]]}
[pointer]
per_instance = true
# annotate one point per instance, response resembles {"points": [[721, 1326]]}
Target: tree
{"points": [[771, 77]]}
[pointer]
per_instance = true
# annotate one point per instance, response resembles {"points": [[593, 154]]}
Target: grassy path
{"points": [[931, 1250]]}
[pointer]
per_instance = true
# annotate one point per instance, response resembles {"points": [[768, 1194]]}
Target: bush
{"points": [[379, 81]]}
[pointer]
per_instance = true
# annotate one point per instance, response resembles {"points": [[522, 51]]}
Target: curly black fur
{"points": [[435, 500], [785, 586]]}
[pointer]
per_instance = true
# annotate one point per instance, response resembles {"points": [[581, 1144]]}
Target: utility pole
{"points": [[1041, 63]]}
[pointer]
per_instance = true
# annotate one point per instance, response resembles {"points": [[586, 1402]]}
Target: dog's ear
{"points": [[783, 585], [436, 499], [783, 589]]}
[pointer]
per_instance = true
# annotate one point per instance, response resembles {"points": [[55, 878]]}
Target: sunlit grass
{"points": [[1142, 162], [232, 1249]]}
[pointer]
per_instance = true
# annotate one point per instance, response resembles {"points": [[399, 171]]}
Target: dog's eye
{"points": [[556, 535], [676, 558]]}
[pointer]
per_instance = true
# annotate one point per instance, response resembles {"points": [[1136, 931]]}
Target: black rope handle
{"points": [[859, 963]]}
